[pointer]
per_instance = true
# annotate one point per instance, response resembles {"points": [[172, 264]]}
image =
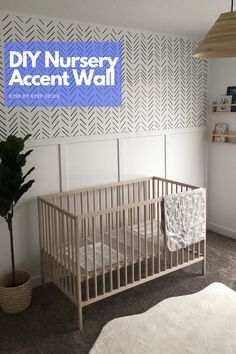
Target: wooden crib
{"points": [[96, 242]]}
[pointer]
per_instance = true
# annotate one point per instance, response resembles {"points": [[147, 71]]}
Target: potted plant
{"points": [[15, 287]]}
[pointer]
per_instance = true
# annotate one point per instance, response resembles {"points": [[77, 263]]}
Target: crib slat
{"points": [[68, 202], [94, 257], [59, 248], [46, 228], [64, 253], [145, 236], [112, 204], [123, 195], [125, 246], [69, 253], [128, 191], [132, 243], [182, 255], [74, 201], [41, 239], [158, 240], [171, 253], [73, 246], [50, 232], [134, 216], [85, 236], [102, 254], [57, 252], [110, 250], [53, 233], [118, 249], [152, 232], [198, 249], [43, 206], [81, 203], [47, 235], [139, 244], [78, 290]]}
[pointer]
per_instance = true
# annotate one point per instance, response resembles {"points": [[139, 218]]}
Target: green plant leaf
{"points": [[23, 189], [5, 206], [12, 180], [28, 173]]}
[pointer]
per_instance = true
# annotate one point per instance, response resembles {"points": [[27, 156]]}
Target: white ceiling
{"points": [[190, 18]]}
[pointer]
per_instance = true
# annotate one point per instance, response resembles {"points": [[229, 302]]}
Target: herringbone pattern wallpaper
{"points": [[163, 86]]}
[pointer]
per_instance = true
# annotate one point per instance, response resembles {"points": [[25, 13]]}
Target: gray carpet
{"points": [[49, 326]]}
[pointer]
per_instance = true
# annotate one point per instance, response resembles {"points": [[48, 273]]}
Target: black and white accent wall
{"points": [[163, 86], [160, 129]]}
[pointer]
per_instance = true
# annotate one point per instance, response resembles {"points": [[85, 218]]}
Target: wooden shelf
{"points": [[230, 137], [215, 105]]}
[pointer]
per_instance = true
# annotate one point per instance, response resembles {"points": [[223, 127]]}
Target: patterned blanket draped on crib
{"points": [[184, 218]]}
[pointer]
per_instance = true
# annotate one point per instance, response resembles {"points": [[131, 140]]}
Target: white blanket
{"points": [[202, 323], [184, 218]]}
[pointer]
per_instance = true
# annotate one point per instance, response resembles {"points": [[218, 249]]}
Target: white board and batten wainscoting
{"points": [[76, 164]]}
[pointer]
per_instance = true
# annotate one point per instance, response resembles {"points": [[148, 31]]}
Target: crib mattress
{"points": [[133, 252]]}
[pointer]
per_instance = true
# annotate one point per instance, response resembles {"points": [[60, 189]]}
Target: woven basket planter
{"points": [[15, 299]]}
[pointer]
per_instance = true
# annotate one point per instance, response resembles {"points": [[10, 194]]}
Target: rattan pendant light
{"points": [[220, 41]]}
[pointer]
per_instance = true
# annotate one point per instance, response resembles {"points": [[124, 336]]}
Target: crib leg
{"points": [[204, 259], [204, 266], [80, 318]]}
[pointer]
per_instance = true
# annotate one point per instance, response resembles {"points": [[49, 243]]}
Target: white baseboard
{"points": [[221, 230]]}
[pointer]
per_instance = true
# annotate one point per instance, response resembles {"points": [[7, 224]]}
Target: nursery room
{"points": [[117, 176]]}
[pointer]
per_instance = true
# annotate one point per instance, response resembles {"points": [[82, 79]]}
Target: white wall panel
{"points": [[141, 157], [91, 163], [222, 157], [185, 158]]}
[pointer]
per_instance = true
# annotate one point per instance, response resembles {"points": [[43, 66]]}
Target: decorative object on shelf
{"points": [[220, 41], [214, 106], [231, 91], [15, 287], [224, 104], [221, 129]]}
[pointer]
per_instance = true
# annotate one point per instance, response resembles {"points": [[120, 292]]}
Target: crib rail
{"points": [[135, 252], [59, 248], [99, 241]]}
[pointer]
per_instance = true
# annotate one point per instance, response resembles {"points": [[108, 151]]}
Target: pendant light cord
{"points": [[232, 5]]}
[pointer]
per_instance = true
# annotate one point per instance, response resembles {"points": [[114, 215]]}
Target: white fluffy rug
{"points": [[202, 323]]}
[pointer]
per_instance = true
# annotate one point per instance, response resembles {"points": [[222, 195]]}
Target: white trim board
{"points": [[225, 231], [81, 139]]}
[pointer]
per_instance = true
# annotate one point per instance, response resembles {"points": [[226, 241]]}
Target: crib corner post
{"points": [[40, 224], [78, 275], [80, 317]]}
